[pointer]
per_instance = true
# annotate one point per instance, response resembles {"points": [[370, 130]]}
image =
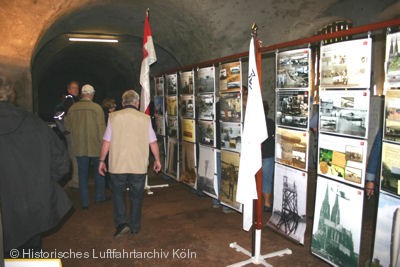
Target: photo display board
{"points": [[293, 69], [207, 179], [159, 86], [290, 202], [206, 107], [231, 136], [171, 165], [346, 64], [292, 108], [336, 233], [187, 172], [206, 131], [230, 78], [390, 171], [229, 178], [343, 159], [344, 112], [188, 130], [392, 116], [206, 80], [392, 61], [231, 107]]}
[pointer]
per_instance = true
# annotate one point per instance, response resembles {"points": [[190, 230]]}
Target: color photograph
{"points": [[292, 108], [231, 107], [172, 126], [387, 233], [290, 203], [159, 86], [206, 133], [392, 63], [293, 69], [392, 116], [207, 181], [172, 106], [346, 64], [291, 147], [186, 83], [205, 107], [230, 77], [390, 176], [187, 106], [336, 233], [160, 125], [187, 168], [343, 159], [188, 130], [229, 177], [231, 136], [344, 113], [159, 105], [205, 80], [172, 158], [172, 86]]}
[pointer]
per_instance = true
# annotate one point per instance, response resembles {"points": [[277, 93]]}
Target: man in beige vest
{"points": [[128, 136]]}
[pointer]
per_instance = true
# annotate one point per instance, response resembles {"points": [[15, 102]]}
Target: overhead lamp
{"points": [[96, 40]]}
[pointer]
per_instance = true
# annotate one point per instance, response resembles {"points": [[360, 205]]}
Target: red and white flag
{"points": [[149, 57]]}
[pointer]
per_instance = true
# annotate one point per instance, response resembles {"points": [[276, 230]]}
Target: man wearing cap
{"points": [[85, 122], [128, 137]]}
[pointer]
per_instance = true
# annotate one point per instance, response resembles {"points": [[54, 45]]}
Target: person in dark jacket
{"points": [[32, 161], [268, 156]]}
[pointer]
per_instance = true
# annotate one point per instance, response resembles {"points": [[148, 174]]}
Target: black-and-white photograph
{"points": [[159, 105], [206, 132], [205, 80], [392, 64], [231, 107], [336, 233], [229, 178], [293, 69], [186, 83], [187, 173], [231, 136], [290, 203], [159, 86], [160, 125], [172, 85], [187, 106], [207, 180], [172, 158], [205, 107], [292, 108], [392, 116], [344, 113], [172, 126]]}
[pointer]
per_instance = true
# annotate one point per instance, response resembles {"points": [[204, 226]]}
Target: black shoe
{"points": [[267, 209], [121, 230]]}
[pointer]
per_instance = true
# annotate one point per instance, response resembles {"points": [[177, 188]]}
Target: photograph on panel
{"points": [[336, 236], [392, 61], [206, 133], [344, 112], [293, 69], [186, 83], [230, 77], [205, 107], [290, 203], [187, 106], [346, 64], [292, 108], [172, 86], [162, 151], [187, 168], [392, 116], [160, 125], [229, 178], [159, 85], [172, 126], [390, 179], [343, 159], [207, 181], [188, 130], [387, 232], [172, 158], [159, 105], [231, 107], [231, 136], [291, 147], [172, 106], [205, 80]]}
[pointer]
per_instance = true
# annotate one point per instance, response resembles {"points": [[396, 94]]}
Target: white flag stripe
{"points": [[254, 133]]}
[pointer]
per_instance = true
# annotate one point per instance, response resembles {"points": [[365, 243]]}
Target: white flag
{"points": [[254, 133], [149, 57]]}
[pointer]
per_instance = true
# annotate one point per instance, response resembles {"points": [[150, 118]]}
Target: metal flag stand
{"points": [[255, 257]]}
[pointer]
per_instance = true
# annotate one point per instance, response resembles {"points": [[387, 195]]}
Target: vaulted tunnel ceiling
{"points": [[184, 31]]}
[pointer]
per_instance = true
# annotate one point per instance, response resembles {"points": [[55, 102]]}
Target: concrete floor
{"points": [[177, 220]]}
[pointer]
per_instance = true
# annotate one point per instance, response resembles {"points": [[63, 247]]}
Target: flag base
{"points": [[257, 258], [148, 187]]}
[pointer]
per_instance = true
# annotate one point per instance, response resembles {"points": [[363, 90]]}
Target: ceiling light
{"points": [[98, 40]]}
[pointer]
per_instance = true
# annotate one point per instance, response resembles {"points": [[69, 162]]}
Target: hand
{"points": [[102, 168], [369, 189], [157, 166]]}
